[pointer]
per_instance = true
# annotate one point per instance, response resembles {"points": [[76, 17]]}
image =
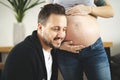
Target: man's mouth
{"points": [[58, 41]]}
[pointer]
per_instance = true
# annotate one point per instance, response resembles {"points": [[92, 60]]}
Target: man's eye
{"points": [[55, 28], [65, 29]]}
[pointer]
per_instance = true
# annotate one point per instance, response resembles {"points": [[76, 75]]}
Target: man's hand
{"points": [[68, 46]]}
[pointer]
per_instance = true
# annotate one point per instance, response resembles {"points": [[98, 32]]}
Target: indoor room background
{"points": [[110, 27]]}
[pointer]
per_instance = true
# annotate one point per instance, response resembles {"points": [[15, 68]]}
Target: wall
{"points": [[109, 27], [7, 19]]}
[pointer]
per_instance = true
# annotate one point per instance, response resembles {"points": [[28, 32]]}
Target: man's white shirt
{"points": [[48, 63]]}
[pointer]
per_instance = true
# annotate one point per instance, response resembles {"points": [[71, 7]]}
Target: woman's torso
{"points": [[81, 29]]}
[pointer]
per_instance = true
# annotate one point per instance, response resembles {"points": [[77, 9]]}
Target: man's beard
{"points": [[49, 43]]}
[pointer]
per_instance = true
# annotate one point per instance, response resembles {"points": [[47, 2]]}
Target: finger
{"points": [[78, 47], [74, 49], [71, 11], [76, 52], [80, 13], [68, 42]]}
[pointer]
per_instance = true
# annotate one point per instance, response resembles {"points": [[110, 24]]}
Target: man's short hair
{"points": [[49, 9]]}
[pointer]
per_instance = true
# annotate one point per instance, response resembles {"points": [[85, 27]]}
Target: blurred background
{"points": [[109, 26]]}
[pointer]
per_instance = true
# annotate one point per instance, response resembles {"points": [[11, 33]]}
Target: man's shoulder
{"points": [[23, 48]]}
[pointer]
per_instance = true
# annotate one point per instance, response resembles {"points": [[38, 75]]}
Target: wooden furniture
{"points": [[6, 49], [107, 44], [3, 50], [1, 65]]}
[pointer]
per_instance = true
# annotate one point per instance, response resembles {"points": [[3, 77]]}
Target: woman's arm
{"points": [[104, 11]]}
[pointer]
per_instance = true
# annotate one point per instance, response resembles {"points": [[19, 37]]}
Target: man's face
{"points": [[54, 32]]}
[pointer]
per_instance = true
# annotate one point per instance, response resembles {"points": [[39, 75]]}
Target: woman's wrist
{"points": [[91, 9]]}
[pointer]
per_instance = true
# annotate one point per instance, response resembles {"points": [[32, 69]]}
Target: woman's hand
{"points": [[68, 46], [79, 10]]}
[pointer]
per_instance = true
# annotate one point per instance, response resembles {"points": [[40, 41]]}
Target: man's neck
{"points": [[48, 49], [44, 46]]}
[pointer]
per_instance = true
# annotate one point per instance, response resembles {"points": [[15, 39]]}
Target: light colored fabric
{"points": [[48, 63], [51, 1], [70, 3]]}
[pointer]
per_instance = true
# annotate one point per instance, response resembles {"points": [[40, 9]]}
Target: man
{"points": [[33, 58]]}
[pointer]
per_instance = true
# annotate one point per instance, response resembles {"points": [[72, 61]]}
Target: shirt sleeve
{"points": [[100, 2], [51, 1]]}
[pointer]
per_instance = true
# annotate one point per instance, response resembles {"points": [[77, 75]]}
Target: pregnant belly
{"points": [[82, 30]]}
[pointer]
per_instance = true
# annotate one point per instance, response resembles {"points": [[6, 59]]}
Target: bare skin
{"points": [[83, 28]]}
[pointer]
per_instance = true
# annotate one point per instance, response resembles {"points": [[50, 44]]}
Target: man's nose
{"points": [[61, 34]]}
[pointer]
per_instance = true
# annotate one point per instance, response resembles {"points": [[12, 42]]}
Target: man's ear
{"points": [[40, 26]]}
